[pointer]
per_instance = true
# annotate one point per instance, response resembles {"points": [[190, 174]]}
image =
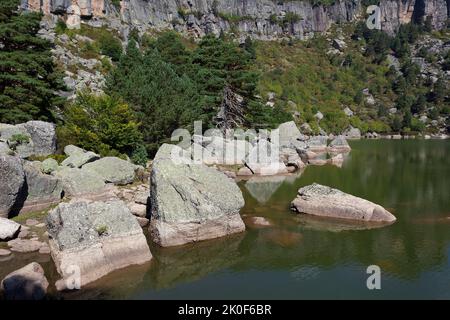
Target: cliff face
{"points": [[263, 19]]}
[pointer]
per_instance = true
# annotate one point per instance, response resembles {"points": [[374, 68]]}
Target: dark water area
{"points": [[299, 257]]}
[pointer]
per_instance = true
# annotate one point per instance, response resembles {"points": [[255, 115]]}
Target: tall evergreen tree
{"points": [[28, 79], [162, 100]]}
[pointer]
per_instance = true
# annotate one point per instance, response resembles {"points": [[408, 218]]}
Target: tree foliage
{"points": [[28, 79]]}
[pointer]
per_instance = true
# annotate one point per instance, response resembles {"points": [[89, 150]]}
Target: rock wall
{"points": [[262, 19]]}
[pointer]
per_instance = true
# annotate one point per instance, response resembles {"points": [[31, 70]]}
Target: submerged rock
{"points": [[191, 202], [327, 202], [95, 237], [27, 283]]}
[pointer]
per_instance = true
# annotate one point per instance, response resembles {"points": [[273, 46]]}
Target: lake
{"points": [[299, 257]]}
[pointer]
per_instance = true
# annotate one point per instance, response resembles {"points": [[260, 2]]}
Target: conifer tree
{"points": [[28, 80]]}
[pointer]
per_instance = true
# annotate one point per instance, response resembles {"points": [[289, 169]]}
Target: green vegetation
{"points": [[102, 124], [170, 85], [101, 230], [28, 78]]}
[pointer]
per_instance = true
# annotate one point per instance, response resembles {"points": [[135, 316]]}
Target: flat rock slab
{"points": [[4, 252], [27, 283], [328, 202], [8, 229], [25, 245]]}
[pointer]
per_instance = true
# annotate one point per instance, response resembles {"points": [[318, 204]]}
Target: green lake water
{"points": [[303, 258]]}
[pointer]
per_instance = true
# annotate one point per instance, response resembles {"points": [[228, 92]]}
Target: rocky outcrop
{"points": [[8, 229], [191, 202], [397, 12], [96, 238], [324, 201], [12, 181], [262, 19], [27, 283], [33, 138]]}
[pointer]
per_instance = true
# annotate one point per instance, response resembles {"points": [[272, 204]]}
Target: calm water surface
{"points": [[303, 258]]}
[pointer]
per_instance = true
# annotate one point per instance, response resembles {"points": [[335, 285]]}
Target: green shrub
{"points": [[110, 46], [102, 124]]}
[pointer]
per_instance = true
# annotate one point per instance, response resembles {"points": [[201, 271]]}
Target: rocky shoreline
{"points": [[95, 210]]}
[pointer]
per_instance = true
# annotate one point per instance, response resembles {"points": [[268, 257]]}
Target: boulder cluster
{"points": [[100, 208]]}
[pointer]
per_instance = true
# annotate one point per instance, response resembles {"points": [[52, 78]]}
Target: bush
{"points": [[102, 124], [110, 46]]}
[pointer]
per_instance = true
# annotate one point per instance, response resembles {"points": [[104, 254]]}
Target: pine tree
{"points": [[162, 100], [28, 80]]}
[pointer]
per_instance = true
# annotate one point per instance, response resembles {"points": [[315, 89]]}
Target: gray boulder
{"points": [[37, 138], [352, 133], [12, 180], [71, 150], [288, 132], [27, 283], [324, 201], [339, 144], [43, 135], [113, 170], [317, 143], [8, 229], [191, 202], [264, 159], [77, 160], [43, 190], [97, 237], [49, 165], [77, 182]]}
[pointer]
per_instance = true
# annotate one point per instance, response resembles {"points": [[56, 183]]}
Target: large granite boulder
{"points": [[287, 132], [324, 201], [339, 144], [113, 170], [264, 159], [96, 238], [191, 202], [43, 190], [318, 143], [33, 138], [27, 283], [43, 135], [79, 182], [8, 229], [12, 180], [352, 133], [227, 152]]}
